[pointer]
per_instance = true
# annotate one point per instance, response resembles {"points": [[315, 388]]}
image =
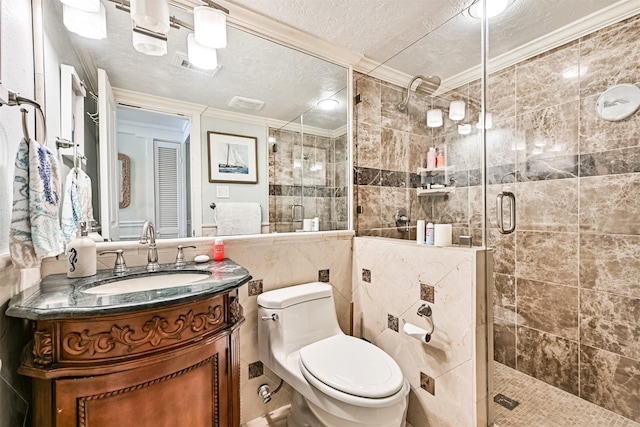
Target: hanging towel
{"points": [[76, 204], [35, 231], [238, 218]]}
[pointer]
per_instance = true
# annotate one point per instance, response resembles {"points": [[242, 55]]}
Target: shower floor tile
{"points": [[542, 405]]}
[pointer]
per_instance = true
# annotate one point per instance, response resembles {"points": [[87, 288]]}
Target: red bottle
{"points": [[218, 250]]}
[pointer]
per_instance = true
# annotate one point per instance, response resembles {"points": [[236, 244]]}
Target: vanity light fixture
{"points": [[456, 110], [92, 25], [210, 27], [83, 5], [328, 104], [201, 56], [494, 8], [148, 44], [464, 129], [152, 15], [434, 118]]}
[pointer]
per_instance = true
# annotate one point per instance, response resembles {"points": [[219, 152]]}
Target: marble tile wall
{"points": [[321, 188], [566, 294], [389, 280]]}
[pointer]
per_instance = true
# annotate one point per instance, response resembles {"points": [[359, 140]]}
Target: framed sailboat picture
{"points": [[232, 158]]}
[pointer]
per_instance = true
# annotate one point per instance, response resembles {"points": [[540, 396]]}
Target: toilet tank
{"points": [[305, 314]]}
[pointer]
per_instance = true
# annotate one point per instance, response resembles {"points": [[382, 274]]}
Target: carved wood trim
{"points": [[156, 330], [235, 310], [82, 401], [42, 348], [216, 394]]}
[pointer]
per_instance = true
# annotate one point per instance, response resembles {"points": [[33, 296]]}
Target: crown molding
{"points": [[156, 103]]}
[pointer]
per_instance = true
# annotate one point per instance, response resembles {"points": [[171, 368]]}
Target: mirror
{"points": [[618, 102], [259, 89]]}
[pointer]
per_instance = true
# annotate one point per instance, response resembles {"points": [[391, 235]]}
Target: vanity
{"points": [[143, 348]]}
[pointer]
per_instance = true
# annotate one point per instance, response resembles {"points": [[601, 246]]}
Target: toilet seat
{"points": [[351, 366]]}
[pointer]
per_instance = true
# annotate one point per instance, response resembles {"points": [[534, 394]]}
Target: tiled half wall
{"points": [[566, 292]]}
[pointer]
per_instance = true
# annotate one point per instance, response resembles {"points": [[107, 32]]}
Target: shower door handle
{"points": [[500, 212]]}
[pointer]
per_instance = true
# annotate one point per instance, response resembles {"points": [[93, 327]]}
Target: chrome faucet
{"points": [[152, 256]]}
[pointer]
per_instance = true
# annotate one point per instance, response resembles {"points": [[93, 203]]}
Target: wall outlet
{"points": [[222, 191]]}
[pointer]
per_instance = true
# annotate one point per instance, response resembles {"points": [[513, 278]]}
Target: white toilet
{"points": [[338, 380]]}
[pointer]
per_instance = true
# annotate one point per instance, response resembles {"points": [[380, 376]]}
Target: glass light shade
{"points": [[489, 121], [434, 118], [84, 5], [328, 104], [464, 129], [210, 27], [494, 8], [149, 45], [456, 110], [92, 25], [152, 15], [201, 56]]}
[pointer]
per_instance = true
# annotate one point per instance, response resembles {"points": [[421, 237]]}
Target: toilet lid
{"points": [[352, 366]]}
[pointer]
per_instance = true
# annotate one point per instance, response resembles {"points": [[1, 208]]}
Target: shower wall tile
{"points": [[417, 108], [504, 247], [392, 199], [547, 257], [418, 148], [614, 162], [369, 109], [548, 205], [610, 381], [609, 204], [501, 94], [504, 297], [504, 342], [597, 134], [452, 209], [611, 263], [548, 308], [369, 198], [391, 96], [548, 358], [394, 150], [609, 57], [368, 146], [610, 322], [540, 82], [500, 143]]}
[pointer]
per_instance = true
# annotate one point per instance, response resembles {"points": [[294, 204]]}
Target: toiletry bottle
{"points": [[431, 158], [81, 254], [440, 159], [315, 224], [429, 234], [218, 250]]}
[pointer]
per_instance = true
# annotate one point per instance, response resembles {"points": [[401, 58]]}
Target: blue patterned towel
{"points": [[76, 205], [35, 230]]}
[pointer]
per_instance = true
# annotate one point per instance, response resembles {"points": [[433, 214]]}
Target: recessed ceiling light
{"points": [[328, 104], [494, 8]]}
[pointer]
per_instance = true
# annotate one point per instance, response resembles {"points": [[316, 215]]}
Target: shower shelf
{"points": [[435, 191], [436, 171], [443, 191]]}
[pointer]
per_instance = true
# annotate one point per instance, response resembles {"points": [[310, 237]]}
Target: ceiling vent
{"points": [[242, 103], [181, 60]]}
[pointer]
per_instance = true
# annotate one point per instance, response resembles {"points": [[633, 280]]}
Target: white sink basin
{"points": [[146, 283]]}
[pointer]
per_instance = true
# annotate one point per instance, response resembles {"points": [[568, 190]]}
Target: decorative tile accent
{"points": [[626, 160], [427, 293], [256, 369], [366, 275], [323, 276], [427, 383], [393, 322], [255, 287]]}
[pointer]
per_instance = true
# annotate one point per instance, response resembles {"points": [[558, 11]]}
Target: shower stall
{"points": [[536, 170]]}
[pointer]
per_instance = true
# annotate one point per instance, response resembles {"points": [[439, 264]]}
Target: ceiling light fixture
{"points": [[92, 25], [84, 5], [328, 104], [148, 44], [494, 8], [201, 56], [434, 118], [152, 15], [456, 110], [210, 27], [464, 129]]}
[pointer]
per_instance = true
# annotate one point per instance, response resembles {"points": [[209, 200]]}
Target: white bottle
{"points": [[315, 224], [81, 254], [431, 158], [429, 233]]}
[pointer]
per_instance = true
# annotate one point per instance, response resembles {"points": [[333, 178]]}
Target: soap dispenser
{"points": [[81, 253]]}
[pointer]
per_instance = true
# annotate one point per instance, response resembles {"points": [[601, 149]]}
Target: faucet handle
{"points": [[120, 266], [180, 262]]}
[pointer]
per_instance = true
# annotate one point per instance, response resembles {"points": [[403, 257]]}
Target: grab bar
{"points": [[500, 212]]}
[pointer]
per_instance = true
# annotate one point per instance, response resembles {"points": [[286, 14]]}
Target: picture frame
{"points": [[232, 158]]}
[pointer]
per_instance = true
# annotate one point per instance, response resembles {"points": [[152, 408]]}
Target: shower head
{"points": [[427, 86]]}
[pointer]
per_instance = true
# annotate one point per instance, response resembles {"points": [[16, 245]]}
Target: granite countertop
{"points": [[56, 296]]}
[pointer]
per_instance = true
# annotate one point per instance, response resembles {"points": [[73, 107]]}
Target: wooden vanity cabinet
{"points": [[174, 366]]}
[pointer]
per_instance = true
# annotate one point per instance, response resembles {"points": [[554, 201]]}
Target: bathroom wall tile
{"points": [[504, 246], [548, 308], [501, 143], [366, 176], [427, 383], [419, 145], [610, 322], [395, 150], [254, 287], [501, 94], [504, 297], [417, 112], [395, 179], [549, 131], [540, 82], [463, 151], [548, 358], [609, 57], [368, 148], [323, 275], [504, 342], [369, 109], [392, 118], [369, 198], [548, 205], [625, 160], [366, 275], [610, 263], [454, 208], [597, 134], [255, 369], [427, 293], [391, 199], [547, 257], [610, 381], [608, 204], [392, 322]]}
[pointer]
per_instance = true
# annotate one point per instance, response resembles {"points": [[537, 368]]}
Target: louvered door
{"points": [[169, 190]]}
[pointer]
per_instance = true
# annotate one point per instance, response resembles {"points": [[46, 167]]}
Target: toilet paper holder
{"points": [[424, 311]]}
